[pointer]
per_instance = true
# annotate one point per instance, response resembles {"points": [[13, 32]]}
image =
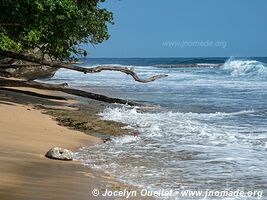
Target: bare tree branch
{"points": [[69, 66]]}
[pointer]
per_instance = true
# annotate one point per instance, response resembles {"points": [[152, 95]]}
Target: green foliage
{"points": [[56, 27], [8, 44]]}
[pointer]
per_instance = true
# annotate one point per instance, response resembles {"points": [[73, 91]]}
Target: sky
{"points": [[185, 28]]}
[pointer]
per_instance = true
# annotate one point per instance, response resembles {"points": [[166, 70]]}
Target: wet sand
{"points": [[26, 134]]}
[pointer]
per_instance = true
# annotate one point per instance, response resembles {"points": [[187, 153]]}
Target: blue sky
{"points": [[185, 28]]}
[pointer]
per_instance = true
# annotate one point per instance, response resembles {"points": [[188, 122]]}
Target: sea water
{"points": [[202, 128]]}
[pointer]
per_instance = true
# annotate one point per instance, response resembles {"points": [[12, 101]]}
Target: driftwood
{"points": [[34, 94], [63, 88], [70, 66]]}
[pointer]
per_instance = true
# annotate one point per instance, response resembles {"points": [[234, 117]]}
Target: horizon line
{"points": [[136, 57]]}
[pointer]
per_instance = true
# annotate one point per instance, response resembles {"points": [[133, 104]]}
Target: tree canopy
{"points": [[55, 27]]}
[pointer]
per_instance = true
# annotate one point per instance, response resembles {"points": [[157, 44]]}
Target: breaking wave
{"points": [[169, 139], [250, 68], [209, 131]]}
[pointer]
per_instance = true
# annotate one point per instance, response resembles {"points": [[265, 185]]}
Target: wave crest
{"points": [[249, 68]]}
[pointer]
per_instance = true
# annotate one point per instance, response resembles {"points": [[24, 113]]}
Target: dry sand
{"points": [[25, 136]]}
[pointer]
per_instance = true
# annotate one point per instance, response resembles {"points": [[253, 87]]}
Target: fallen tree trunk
{"points": [[70, 66], [34, 94], [64, 88]]}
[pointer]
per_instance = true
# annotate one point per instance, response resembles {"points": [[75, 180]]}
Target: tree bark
{"points": [[64, 88], [69, 66], [34, 94]]}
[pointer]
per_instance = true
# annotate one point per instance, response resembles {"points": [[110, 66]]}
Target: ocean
{"points": [[204, 127]]}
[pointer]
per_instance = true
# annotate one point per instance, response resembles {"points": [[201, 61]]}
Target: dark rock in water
{"points": [[106, 139], [194, 65], [59, 154]]}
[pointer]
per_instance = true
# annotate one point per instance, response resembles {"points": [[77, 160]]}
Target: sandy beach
{"points": [[116, 100], [26, 134]]}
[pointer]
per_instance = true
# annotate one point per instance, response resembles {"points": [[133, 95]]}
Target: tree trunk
{"points": [[65, 89], [125, 70]]}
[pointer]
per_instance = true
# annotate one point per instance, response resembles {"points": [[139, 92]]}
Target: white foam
{"points": [[207, 64], [245, 67], [177, 124], [171, 146], [126, 139]]}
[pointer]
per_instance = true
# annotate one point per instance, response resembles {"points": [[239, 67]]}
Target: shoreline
{"points": [[26, 135]]}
